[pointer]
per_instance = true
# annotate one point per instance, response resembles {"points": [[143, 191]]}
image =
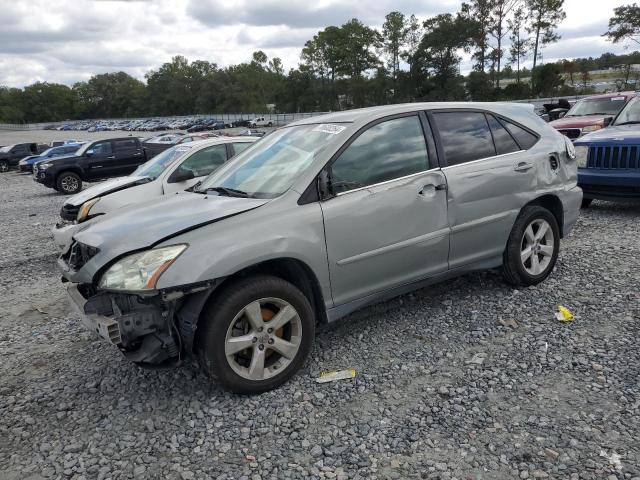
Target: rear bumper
{"points": [[609, 184], [571, 200]]}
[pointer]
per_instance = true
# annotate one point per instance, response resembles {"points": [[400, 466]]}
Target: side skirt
{"points": [[335, 313]]}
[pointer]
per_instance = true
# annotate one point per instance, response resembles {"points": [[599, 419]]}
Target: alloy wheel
{"points": [[263, 338], [69, 184], [4, 167], [536, 251]]}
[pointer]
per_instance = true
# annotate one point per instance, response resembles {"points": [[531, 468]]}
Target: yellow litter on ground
{"points": [[336, 375], [563, 314]]}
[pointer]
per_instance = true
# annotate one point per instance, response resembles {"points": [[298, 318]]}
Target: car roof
{"points": [[218, 140], [365, 115]]}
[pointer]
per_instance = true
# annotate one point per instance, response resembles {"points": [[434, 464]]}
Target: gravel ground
{"points": [[467, 380]]}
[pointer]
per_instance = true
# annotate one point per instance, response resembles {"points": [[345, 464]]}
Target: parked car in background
{"points": [[316, 220], [27, 163], [154, 146], [609, 159], [11, 155], [591, 114], [260, 122], [176, 169], [107, 158]]}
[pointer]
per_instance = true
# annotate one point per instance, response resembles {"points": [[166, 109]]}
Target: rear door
{"points": [[128, 155], [200, 163], [490, 176], [387, 224]]}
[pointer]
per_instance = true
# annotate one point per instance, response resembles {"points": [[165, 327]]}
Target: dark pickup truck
{"points": [[115, 157], [12, 154]]}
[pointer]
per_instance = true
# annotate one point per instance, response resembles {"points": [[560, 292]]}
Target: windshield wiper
{"points": [[630, 122], [229, 192]]}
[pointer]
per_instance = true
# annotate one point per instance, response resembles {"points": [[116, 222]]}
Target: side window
{"points": [[186, 140], [19, 149], [103, 148], [124, 145], [240, 147], [465, 136], [525, 138], [205, 161], [503, 140], [391, 149]]}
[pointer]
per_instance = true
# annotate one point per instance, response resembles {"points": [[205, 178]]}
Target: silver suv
{"points": [[317, 220]]}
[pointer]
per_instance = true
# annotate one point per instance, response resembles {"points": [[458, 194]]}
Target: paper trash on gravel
{"points": [[563, 314], [336, 375]]}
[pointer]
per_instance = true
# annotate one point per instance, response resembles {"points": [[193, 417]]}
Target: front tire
{"points": [[4, 166], [532, 248], [255, 334], [68, 183]]}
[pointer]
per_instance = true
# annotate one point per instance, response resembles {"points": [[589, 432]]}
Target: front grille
{"points": [[69, 212], [78, 255], [572, 133], [614, 157]]}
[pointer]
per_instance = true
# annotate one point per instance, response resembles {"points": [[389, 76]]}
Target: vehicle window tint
{"points": [[102, 148], [525, 138], [186, 140], [465, 136], [503, 140], [205, 161], [121, 145], [240, 147], [388, 150]]}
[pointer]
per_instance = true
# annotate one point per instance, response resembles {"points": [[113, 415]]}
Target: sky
{"points": [[66, 41]]}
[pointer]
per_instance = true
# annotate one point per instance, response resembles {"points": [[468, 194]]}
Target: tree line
{"points": [[348, 66]]}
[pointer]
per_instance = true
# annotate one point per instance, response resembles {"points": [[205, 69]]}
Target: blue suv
{"points": [[27, 163], [609, 159]]}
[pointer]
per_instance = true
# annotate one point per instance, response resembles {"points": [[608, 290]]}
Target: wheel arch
{"points": [[289, 269], [75, 170], [554, 205]]}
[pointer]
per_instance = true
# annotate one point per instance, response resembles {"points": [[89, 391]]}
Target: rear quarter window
{"points": [[525, 138], [465, 136]]}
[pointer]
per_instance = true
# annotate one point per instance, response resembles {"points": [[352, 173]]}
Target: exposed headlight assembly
{"points": [[582, 153], [44, 166], [140, 271], [83, 213]]}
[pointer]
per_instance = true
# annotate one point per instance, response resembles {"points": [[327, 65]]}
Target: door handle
{"points": [[432, 187], [523, 167], [111, 157]]}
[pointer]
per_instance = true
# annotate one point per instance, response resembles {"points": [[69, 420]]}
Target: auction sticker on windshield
{"points": [[329, 128]]}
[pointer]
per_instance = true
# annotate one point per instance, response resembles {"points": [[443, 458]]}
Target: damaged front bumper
{"points": [[143, 328]]}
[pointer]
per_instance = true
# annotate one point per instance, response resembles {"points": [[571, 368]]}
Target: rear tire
{"points": [[586, 202], [244, 329], [68, 183], [4, 166], [532, 248]]}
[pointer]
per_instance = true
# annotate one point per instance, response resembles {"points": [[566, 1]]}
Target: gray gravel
{"points": [[464, 380]]}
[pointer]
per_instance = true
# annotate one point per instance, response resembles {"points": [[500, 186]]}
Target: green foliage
{"points": [[546, 80], [625, 24], [544, 17]]}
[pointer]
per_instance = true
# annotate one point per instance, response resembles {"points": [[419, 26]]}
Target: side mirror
{"points": [[90, 152], [324, 185], [181, 175]]}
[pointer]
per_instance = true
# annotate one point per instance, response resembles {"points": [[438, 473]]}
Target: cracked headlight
{"points": [[140, 271], [581, 156], [83, 213]]}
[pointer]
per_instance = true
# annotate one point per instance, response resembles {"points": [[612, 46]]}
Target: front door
{"points": [[101, 160], [387, 224]]}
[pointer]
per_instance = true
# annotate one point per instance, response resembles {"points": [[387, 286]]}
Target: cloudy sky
{"points": [[66, 41]]}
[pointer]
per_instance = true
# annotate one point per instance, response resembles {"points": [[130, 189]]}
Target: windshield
{"points": [[630, 113], [158, 164], [595, 106], [5, 149], [83, 148], [270, 167]]}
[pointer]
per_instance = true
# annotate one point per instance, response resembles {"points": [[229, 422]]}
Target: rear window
{"points": [[465, 136], [241, 147], [503, 140], [525, 138]]}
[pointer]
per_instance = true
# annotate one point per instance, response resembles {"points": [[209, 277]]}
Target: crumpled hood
{"points": [[146, 224], [104, 188], [615, 135], [579, 122]]}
